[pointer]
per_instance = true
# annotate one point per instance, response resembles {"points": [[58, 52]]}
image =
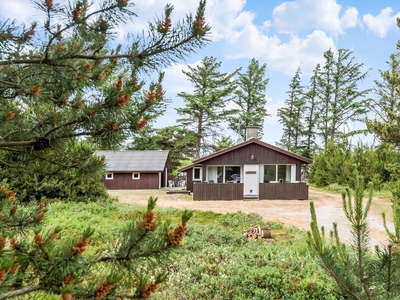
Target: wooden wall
{"points": [[217, 191], [283, 191], [262, 156], [234, 191], [124, 181], [189, 180]]}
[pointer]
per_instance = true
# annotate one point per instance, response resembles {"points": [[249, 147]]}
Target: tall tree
{"points": [[311, 115], [386, 105], [250, 99], [291, 116], [341, 101], [60, 83], [206, 109]]}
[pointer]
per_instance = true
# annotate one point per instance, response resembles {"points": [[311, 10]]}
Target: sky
{"points": [[284, 35]]}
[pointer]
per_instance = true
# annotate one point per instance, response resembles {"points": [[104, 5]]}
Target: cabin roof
{"points": [[135, 160]]}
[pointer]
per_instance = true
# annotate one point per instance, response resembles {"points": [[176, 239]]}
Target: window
{"points": [[110, 176], [215, 173], [197, 173], [281, 173], [232, 174], [269, 173], [136, 175]]}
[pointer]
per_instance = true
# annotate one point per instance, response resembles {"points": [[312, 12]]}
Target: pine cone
{"points": [[149, 221], [3, 241], [66, 297], [178, 234], [87, 67], [38, 240], [141, 124], [69, 279], [13, 269], [76, 13], [103, 289], [151, 96], [13, 209], [40, 216], [80, 246], [123, 100], [2, 275], [49, 3], [35, 90], [148, 289], [119, 84], [10, 195], [10, 115]]}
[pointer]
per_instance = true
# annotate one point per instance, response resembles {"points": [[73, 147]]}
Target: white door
{"points": [[250, 180]]}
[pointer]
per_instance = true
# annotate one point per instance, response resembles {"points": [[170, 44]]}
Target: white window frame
{"points": [[292, 172], [135, 173], [110, 178], [201, 173]]}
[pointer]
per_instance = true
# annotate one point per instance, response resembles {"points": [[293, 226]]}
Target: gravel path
{"points": [[290, 212]]}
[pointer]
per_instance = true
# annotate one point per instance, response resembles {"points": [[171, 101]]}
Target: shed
{"points": [[136, 169]]}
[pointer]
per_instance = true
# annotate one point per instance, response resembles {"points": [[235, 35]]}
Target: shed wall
{"points": [[124, 181]]}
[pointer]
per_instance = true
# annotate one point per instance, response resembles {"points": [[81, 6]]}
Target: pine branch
{"points": [[20, 292]]}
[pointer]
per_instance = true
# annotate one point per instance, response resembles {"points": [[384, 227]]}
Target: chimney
{"points": [[251, 132]]}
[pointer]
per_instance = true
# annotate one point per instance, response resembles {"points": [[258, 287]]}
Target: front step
{"points": [[251, 197]]}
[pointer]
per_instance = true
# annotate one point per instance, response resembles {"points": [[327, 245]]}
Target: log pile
{"points": [[255, 232]]}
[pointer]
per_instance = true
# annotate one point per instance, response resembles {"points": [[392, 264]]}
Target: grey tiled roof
{"points": [[135, 160]]}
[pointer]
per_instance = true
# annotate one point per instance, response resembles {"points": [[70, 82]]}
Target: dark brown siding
{"points": [[283, 191], [262, 155], [124, 181], [234, 191], [218, 191], [189, 180]]}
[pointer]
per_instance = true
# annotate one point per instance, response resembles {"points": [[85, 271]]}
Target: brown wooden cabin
{"points": [[250, 170], [136, 169]]}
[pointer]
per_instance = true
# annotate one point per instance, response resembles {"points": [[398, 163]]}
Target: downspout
{"points": [[166, 177]]}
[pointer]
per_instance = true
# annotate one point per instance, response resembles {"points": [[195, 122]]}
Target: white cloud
{"points": [[220, 14], [381, 23], [18, 10], [290, 17], [176, 81], [287, 57]]}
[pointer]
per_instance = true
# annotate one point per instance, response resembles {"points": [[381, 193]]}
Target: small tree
{"points": [[359, 273]]}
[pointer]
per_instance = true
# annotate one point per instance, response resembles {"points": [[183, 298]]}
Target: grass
{"points": [[215, 260]]}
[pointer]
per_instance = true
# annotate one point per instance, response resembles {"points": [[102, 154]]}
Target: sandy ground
{"points": [[290, 212]]}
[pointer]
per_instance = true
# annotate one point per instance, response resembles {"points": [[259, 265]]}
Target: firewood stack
{"points": [[255, 232]]}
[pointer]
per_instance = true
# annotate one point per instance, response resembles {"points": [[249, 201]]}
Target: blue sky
{"points": [[283, 34]]}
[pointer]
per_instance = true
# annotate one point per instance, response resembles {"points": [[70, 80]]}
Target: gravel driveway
{"points": [[290, 212]]}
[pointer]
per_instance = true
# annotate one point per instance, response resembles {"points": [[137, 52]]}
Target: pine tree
{"points": [[291, 116], [180, 143], [386, 107], [250, 99], [206, 109], [341, 101], [311, 115], [65, 88]]}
